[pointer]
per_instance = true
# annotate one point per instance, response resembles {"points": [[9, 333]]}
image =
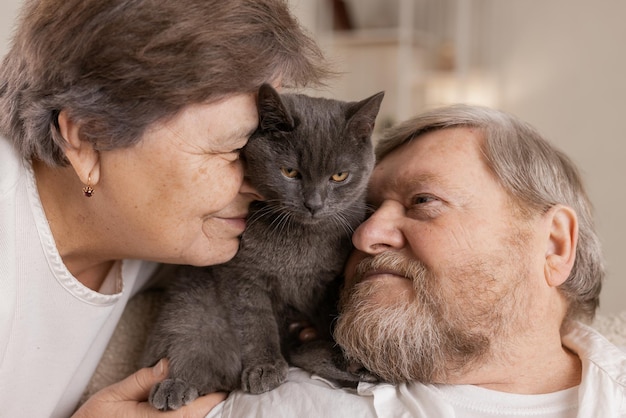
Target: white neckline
{"points": [[58, 268]]}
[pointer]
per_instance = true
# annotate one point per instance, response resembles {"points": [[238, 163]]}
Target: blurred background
{"points": [[558, 64]]}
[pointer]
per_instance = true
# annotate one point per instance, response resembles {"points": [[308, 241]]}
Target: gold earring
{"points": [[88, 190]]}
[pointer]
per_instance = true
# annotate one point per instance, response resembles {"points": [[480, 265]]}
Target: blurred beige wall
{"points": [[8, 14], [560, 65]]}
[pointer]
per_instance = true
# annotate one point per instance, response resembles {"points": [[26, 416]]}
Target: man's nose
{"points": [[381, 231]]}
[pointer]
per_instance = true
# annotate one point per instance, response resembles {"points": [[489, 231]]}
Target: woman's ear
{"points": [[83, 157], [562, 241]]}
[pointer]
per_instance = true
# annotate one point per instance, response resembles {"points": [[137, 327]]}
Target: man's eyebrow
{"points": [[417, 181], [403, 184]]}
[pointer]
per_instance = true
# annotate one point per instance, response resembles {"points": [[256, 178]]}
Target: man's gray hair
{"points": [[534, 173]]}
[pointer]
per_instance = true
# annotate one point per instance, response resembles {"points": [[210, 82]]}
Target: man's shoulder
{"points": [[612, 326], [602, 390], [596, 351]]}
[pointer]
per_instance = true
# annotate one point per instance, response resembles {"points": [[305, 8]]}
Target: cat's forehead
{"points": [[312, 134], [313, 109]]}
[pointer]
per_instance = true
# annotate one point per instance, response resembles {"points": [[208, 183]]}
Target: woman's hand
{"points": [[128, 398]]}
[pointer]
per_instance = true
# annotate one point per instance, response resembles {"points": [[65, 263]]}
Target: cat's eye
{"points": [[289, 172], [339, 177]]}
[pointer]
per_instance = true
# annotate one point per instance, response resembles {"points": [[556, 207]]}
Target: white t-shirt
{"points": [[53, 330], [601, 394]]}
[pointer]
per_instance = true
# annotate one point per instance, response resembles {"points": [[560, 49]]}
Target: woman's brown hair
{"points": [[117, 66]]}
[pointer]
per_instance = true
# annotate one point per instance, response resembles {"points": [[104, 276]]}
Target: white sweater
{"points": [[53, 330]]}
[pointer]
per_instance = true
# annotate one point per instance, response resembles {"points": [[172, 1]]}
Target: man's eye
{"points": [[421, 199]]}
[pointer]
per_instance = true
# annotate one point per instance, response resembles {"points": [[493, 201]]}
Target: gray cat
{"points": [[226, 327]]}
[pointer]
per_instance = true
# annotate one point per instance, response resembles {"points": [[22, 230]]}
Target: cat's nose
{"points": [[314, 203]]}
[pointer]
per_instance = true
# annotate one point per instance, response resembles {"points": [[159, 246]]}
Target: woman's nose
{"points": [[381, 231], [249, 190]]}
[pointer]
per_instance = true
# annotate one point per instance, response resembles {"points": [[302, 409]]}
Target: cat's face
{"points": [[309, 183], [311, 158]]}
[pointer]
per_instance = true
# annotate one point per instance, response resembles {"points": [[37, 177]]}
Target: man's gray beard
{"points": [[409, 338]]}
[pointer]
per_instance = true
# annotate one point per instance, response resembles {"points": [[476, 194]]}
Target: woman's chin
{"points": [[219, 254]]}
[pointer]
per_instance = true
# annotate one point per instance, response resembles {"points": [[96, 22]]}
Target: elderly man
{"points": [[468, 284]]}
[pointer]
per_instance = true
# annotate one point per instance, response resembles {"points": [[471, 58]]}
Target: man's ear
{"points": [[562, 241], [81, 154]]}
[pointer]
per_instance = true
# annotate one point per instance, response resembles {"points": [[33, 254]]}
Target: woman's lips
{"points": [[237, 222], [231, 224]]}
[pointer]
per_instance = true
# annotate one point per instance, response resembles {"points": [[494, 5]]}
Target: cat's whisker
{"points": [[341, 221], [267, 211], [281, 222], [277, 223], [369, 209]]}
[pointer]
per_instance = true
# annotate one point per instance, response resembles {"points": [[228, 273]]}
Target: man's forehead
{"points": [[444, 157], [433, 149], [402, 179]]}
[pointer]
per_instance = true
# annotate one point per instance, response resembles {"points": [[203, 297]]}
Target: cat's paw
{"points": [[261, 378], [172, 394]]}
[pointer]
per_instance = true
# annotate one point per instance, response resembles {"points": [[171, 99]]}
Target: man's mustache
{"points": [[390, 262]]}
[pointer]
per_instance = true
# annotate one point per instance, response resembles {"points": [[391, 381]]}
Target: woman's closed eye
{"points": [[233, 155]]}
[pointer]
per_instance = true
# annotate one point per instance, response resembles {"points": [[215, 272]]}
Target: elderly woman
{"points": [[122, 122]]}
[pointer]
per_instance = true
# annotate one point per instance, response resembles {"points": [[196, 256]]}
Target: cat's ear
{"points": [[361, 116], [273, 114]]}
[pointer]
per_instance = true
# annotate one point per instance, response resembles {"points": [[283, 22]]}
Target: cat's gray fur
{"points": [[226, 327]]}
